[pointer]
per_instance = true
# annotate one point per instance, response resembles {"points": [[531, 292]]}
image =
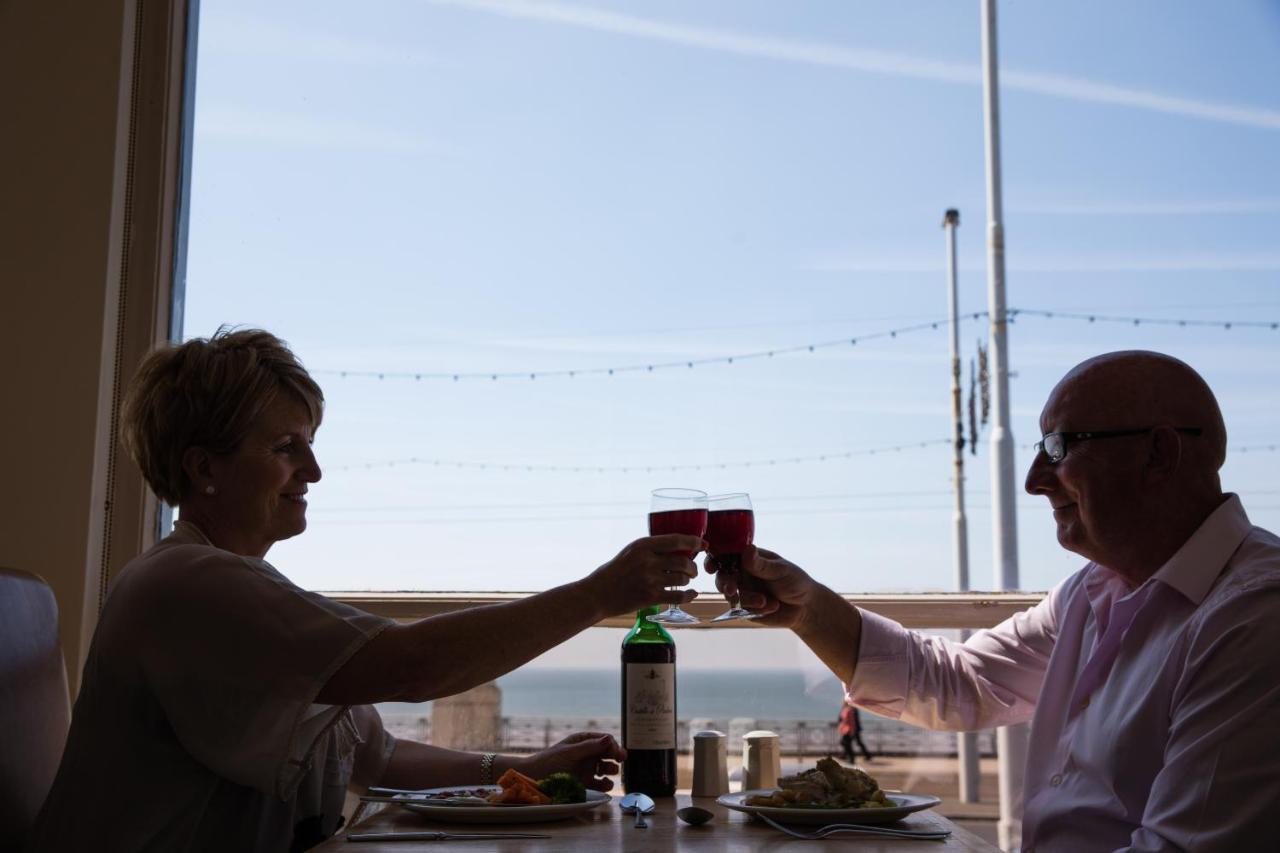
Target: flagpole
{"points": [[1011, 741]]}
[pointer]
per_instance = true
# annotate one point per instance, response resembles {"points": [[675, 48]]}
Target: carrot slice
{"points": [[520, 793], [512, 776]]}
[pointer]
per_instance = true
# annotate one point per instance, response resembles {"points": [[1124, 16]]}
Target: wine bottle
{"points": [[649, 708]]}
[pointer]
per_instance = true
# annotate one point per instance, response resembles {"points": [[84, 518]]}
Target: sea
{"points": [[541, 705], [767, 694]]}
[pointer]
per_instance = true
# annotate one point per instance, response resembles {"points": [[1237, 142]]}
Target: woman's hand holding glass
{"points": [[640, 575]]}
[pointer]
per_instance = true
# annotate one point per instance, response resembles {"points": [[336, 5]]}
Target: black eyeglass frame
{"points": [[1067, 438]]}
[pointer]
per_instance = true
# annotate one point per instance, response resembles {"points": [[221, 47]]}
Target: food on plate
{"points": [[518, 789], [563, 788], [514, 776], [827, 786], [477, 794]]}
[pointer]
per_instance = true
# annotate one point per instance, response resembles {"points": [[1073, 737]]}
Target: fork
{"points": [[862, 829]]}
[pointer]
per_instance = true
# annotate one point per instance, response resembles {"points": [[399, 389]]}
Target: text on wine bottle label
{"points": [[651, 706]]}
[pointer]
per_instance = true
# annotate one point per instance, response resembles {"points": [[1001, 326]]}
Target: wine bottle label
{"points": [[651, 706]]}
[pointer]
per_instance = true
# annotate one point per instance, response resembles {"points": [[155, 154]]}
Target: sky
{"points": [[439, 187]]}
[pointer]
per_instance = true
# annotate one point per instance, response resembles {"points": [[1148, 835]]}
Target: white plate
{"points": [[498, 814], [903, 805]]}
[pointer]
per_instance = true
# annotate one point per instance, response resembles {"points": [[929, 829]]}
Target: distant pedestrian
{"points": [[851, 732]]}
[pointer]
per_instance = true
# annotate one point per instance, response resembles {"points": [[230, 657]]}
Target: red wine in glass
{"points": [[692, 522], [677, 511], [731, 527]]}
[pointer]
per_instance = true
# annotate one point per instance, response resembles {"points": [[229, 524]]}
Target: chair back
{"points": [[35, 710]]}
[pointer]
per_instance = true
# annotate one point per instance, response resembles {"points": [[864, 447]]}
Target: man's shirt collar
{"points": [[1192, 570], [1195, 567]]}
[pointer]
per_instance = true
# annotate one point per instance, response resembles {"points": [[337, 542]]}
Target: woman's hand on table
{"points": [[587, 755], [640, 574]]}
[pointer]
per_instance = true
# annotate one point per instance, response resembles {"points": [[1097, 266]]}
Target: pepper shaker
{"points": [[761, 760], [710, 764]]}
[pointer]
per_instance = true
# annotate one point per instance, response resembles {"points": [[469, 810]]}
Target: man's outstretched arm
{"points": [[827, 624]]}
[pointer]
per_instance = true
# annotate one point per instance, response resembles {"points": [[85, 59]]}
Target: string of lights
{"points": [[1228, 325], [688, 364], [1012, 315], [1028, 506], [760, 501], [704, 466], [639, 469], [579, 518]]}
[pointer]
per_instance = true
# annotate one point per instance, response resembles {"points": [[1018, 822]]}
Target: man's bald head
{"points": [[1143, 473], [1139, 388]]}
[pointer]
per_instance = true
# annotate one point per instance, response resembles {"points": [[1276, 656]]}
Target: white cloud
{"points": [[1163, 262], [868, 61], [1202, 207], [1092, 91]]}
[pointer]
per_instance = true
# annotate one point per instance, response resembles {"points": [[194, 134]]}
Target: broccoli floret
{"points": [[563, 788]]}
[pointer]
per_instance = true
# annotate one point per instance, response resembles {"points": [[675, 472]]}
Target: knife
{"points": [[433, 801], [439, 836], [404, 795], [427, 791]]}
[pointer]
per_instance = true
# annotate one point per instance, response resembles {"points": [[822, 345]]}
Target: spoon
{"points": [[644, 805], [694, 816], [641, 804]]}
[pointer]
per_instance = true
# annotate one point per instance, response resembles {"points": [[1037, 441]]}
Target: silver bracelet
{"points": [[486, 768]]}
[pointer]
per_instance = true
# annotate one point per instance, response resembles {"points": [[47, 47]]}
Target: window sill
{"points": [[924, 610]]}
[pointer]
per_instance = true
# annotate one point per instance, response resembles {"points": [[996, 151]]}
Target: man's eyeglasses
{"points": [[1054, 445]]}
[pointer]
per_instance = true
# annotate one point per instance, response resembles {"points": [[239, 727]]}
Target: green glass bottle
{"points": [[649, 708]]}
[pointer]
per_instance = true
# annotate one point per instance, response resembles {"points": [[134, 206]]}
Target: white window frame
{"points": [[917, 611]]}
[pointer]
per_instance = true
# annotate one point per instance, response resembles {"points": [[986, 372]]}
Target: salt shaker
{"points": [[710, 764], [761, 760]]}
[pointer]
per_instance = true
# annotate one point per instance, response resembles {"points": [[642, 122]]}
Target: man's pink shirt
{"points": [[1155, 711]]}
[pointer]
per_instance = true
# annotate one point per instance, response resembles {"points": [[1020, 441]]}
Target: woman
{"points": [[851, 732], [222, 707]]}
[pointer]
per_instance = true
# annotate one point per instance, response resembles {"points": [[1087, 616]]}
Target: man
{"points": [[1151, 676]]}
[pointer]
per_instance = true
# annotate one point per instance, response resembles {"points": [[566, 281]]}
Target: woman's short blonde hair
{"points": [[207, 392]]}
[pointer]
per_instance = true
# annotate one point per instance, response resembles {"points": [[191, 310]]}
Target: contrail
{"points": [[1203, 207], [869, 61]]}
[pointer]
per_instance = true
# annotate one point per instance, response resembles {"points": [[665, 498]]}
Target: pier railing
{"points": [[798, 737]]}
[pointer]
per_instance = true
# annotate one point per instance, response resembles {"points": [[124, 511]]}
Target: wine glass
{"points": [[731, 526], [677, 511]]}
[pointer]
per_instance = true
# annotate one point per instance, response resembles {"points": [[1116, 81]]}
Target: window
{"points": [[546, 257], [530, 190]]}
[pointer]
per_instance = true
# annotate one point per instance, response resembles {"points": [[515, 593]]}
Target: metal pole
{"points": [[966, 742], [949, 223], [1011, 742]]}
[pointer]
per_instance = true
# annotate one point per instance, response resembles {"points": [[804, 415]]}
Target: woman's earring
{"points": [[210, 490]]}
